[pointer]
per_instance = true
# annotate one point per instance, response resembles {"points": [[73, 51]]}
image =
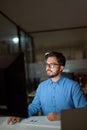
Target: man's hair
{"points": [[60, 57]]}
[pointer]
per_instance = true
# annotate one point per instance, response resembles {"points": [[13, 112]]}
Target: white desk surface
{"points": [[32, 123]]}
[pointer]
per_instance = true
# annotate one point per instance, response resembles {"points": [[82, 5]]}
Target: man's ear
{"points": [[61, 68]]}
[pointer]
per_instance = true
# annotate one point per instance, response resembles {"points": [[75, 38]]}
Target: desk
{"points": [[32, 123]]}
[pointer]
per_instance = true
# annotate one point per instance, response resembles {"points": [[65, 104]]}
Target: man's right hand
{"points": [[13, 120]]}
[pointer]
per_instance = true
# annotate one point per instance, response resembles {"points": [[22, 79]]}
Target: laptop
{"points": [[74, 119]]}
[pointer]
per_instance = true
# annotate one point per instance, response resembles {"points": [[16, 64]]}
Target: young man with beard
{"points": [[57, 92]]}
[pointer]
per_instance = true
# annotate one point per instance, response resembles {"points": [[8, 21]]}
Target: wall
{"points": [[73, 43], [76, 66]]}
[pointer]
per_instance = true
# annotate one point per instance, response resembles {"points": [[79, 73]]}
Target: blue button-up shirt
{"points": [[56, 96]]}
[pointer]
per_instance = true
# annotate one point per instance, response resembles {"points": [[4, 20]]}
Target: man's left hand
{"points": [[53, 117]]}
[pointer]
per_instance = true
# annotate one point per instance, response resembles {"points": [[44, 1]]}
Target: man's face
{"points": [[52, 67]]}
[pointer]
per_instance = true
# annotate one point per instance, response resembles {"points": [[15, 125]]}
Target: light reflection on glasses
{"points": [[51, 65]]}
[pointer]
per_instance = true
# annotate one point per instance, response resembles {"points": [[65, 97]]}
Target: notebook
{"points": [[74, 119]]}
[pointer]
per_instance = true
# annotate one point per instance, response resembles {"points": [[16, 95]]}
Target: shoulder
{"points": [[69, 82], [70, 85], [42, 86], [43, 83]]}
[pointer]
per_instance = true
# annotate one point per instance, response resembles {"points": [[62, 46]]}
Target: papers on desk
{"points": [[41, 121], [32, 123]]}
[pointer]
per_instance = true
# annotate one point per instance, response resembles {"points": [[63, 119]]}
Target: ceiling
{"points": [[43, 15], [50, 16]]}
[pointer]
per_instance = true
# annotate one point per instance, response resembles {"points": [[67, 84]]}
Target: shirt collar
{"points": [[58, 81]]}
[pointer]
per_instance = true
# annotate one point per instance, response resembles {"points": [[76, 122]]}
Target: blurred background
{"points": [[36, 27]]}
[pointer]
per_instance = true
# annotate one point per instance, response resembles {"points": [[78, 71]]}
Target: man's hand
{"points": [[13, 120], [53, 117]]}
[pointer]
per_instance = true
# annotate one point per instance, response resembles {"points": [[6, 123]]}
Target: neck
{"points": [[54, 79]]}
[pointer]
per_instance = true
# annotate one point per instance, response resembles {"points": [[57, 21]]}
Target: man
{"points": [[57, 92]]}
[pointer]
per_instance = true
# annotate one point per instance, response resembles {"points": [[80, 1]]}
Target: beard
{"points": [[53, 75]]}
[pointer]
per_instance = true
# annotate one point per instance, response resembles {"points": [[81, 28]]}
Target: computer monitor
{"points": [[13, 94]]}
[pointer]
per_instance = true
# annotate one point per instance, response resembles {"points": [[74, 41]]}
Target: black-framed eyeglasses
{"points": [[51, 65]]}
